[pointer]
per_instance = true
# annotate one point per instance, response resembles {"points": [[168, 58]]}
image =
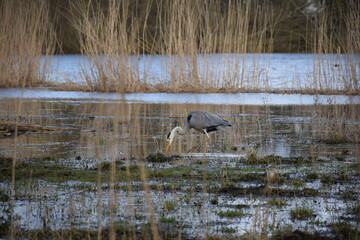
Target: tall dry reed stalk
{"points": [[188, 28], [112, 37], [336, 48], [108, 36], [26, 33]]}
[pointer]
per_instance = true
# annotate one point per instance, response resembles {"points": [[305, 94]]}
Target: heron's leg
{"points": [[206, 133]]}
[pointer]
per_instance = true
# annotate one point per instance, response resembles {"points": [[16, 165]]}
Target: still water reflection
{"points": [[109, 129]]}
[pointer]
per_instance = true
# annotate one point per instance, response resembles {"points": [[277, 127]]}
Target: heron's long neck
{"points": [[181, 131]]}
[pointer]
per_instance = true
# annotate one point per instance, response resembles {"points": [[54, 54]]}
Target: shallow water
{"points": [[257, 99], [97, 127], [249, 71], [128, 125]]}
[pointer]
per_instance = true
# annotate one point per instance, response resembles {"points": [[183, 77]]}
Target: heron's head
{"points": [[170, 138]]}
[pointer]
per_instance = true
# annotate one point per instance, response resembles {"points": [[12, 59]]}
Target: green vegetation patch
{"points": [[335, 139], [161, 157], [231, 213], [301, 213], [177, 171], [297, 183], [48, 170], [157, 157], [228, 230], [27, 169], [253, 158], [343, 230], [299, 235], [167, 219], [170, 206], [277, 202], [312, 176]]}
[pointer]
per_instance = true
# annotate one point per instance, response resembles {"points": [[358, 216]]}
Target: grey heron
{"points": [[201, 121]]}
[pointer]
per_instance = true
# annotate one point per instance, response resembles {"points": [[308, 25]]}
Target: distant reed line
{"points": [[110, 33]]}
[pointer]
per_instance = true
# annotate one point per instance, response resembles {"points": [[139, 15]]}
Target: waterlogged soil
{"points": [[74, 166]]}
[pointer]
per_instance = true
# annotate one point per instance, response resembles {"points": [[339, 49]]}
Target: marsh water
{"points": [[89, 129], [264, 72]]}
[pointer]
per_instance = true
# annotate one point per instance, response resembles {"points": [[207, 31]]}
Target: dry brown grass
{"points": [[108, 42], [114, 35], [25, 34], [113, 39], [339, 71]]}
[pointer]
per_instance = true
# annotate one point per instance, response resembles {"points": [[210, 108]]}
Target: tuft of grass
{"points": [[355, 210], [335, 139], [252, 157], [228, 230], [167, 219], [349, 195], [277, 202], [327, 179], [4, 197], [344, 230], [301, 213], [157, 157], [170, 206], [297, 183], [214, 200], [177, 171], [231, 213], [340, 158], [312, 175]]}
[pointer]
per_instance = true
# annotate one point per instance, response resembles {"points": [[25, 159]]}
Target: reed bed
{"points": [[205, 45], [114, 38], [336, 48], [191, 34], [26, 33]]}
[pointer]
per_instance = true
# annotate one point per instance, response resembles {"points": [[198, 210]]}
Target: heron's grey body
{"points": [[201, 121], [205, 121]]}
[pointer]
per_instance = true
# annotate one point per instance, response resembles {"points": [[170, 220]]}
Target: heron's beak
{"points": [[167, 146]]}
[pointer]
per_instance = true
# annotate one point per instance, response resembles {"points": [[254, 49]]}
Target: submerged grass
{"points": [[231, 213], [181, 177], [302, 213]]}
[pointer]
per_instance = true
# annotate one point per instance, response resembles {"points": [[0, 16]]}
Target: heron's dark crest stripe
{"points": [[168, 135], [189, 117]]}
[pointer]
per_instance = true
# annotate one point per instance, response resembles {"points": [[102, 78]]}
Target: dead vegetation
{"points": [[114, 35], [26, 34]]}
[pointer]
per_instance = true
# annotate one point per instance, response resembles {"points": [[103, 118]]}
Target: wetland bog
{"points": [[82, 137], [92, 164]]}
